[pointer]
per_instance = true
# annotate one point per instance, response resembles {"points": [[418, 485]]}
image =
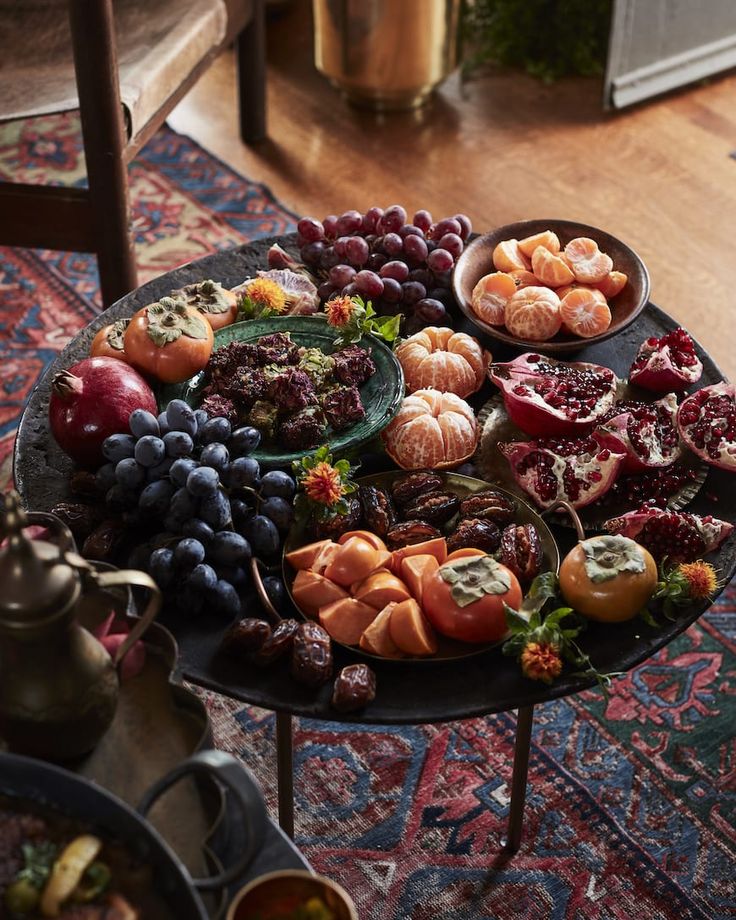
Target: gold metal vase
{"points": [[386, 54]]}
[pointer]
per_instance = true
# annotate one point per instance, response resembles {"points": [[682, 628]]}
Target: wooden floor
{"points": [[500, 148]]}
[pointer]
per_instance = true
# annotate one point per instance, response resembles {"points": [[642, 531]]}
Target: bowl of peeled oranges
{"points": [[553, 285]]}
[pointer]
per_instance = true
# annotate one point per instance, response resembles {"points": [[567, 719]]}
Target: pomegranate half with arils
{"points": [[577, 470], [645, 432], [707, 424], [548, 398], [678, 536], [94, 399], [666, 364]]}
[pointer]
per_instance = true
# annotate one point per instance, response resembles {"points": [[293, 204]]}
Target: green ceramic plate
{"points": [[381, 394]]}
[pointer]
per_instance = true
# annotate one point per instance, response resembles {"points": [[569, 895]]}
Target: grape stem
{"points": [[271, 611]]}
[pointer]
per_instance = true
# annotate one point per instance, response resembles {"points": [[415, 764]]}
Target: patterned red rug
{"points": [[631, 810]]}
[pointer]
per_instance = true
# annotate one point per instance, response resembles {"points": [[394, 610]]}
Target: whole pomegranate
{"points": [[578, 470], [548, 398], [707, 424], [678, 536], [94, 399], [665, 364]]}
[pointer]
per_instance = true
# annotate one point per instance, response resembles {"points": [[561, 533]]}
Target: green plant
{"points": [[548, 38]]}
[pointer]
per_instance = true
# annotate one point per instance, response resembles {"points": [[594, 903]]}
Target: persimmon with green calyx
{"points": [[109, 341], [608, 578], [466, 599], [216, 304], [168, 340]]}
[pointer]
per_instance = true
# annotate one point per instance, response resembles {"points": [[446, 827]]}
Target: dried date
{"points": [[355, 687], [488, 505], [521, 551], [333, 527], [379, 513], [103, 541], [84, 484], [483, 535], [278, 644], [311, 655], [435, 508], [247, 635], [406, 488], [79, 518], [409, 533]]}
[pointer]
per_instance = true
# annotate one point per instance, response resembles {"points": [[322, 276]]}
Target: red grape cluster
{"points": [[400, 267]]}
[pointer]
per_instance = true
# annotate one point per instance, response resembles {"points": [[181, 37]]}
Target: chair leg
{"points": [[95, 63], [251, 59]]}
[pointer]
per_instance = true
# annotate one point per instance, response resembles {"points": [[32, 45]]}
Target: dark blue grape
{"points": [[117, 447], [160, 470], [181, 417], [203, 481], [202, 418], [142, 423], [236, 575], [279, 510], [225, 599], [228, 548], [161, 567], [215, 455], [180, 470], [214, 510], [130, 474], [150, 450], [243, 471], [184, 505], [119, 499], [198, 529], [275, 590], [187, 602], [105, 477], [139, 556], [178, 444], [244, 441], [163, 424], [188, 553], [202, 577], [276, 482], [263, 536], [216, 429], [155, 498]]}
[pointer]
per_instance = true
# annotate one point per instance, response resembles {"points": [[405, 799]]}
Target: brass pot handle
{"points": [[47, 519], [132, 578], [566, 506]]}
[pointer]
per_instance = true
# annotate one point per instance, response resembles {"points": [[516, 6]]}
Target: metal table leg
{"points": [[285, 772], [518, 779]]}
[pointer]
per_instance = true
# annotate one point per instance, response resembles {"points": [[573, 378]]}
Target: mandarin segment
{"points": [[533, 314], [524, 279], [507, 257], [612, 284], [550, 268], [588, 263], [490, 296], [546, 238]]}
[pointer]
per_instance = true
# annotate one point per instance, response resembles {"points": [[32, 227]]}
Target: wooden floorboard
{"points": [[502, 147]]}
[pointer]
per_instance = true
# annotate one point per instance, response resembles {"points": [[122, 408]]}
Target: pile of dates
{"points": [[309, 649], [420, 506]]}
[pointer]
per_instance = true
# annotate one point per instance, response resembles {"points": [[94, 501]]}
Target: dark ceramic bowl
{"points": [[477, 261]]}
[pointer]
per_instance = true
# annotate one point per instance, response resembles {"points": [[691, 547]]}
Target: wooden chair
{"points": [[124, 64]]}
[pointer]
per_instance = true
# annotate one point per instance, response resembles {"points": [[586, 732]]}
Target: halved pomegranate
{"points": [[577, 470], [666, 364], [678, 535], [548, 398], [707, 424], [645, 432]]}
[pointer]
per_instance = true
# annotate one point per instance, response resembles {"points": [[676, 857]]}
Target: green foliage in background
{"points": [[548, 38]]}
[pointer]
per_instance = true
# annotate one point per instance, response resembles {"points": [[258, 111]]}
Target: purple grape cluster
{"points": [[400, 267]]}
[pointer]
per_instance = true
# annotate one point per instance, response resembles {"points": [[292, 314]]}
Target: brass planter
{"points": [[386, 54]]}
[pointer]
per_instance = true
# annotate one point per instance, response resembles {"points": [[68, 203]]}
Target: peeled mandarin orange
{"points": [[612, 284], [546, 238], [442, 359], [490, 296], [524, 279], [588, 263], [431, 430], [533, 314], [507, 257], [550, 269], [585, 312]]}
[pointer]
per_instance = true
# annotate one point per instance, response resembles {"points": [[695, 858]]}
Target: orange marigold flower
{"points": [[541, 661], [339, 310], [267, 294], [323, 484], [701, 579]]}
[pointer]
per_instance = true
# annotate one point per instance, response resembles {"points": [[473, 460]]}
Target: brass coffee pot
{"points": [[58, 684]]}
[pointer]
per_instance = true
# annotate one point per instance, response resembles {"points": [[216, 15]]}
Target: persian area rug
{"points": [[631, 808]]}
